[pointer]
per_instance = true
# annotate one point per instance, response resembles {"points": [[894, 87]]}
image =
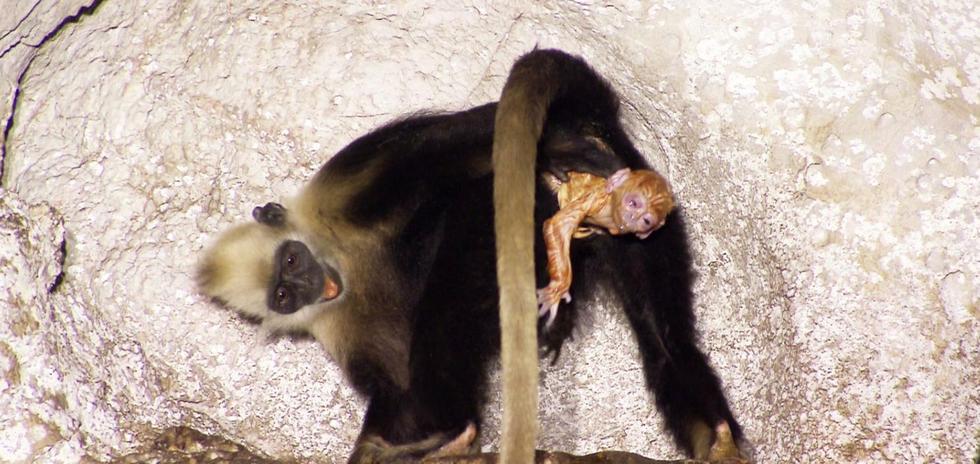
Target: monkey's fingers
{"points": [[544, 300], [548, 300], [547, 305], [552, 313]]}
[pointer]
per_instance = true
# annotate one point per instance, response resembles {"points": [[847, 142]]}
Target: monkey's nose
{"points": [[648, 222]]}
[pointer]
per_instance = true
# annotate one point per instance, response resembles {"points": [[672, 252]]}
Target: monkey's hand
{"points": [[549, 298]]}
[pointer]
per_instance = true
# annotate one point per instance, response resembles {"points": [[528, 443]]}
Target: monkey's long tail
{"points": [[538, 80]]}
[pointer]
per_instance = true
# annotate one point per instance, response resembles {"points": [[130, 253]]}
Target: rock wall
{"points": [[828, 156]]}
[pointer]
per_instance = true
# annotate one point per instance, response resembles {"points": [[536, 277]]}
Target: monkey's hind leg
{"points": [[653, 278]]}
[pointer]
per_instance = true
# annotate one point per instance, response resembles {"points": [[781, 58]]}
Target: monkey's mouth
{"points": [[330, 290], [331, 284]]}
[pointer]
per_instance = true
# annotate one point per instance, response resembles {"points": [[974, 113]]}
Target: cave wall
{"points": [[827, 155]]}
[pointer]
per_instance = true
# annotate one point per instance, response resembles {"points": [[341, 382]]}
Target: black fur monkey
{"points": [[387, 259]]}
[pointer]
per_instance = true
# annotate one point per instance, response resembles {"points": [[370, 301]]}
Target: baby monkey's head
{"points": [[641, 200]]}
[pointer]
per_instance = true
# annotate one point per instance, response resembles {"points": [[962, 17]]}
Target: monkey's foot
{"points": [[372, 449], [548, 300], [724, 450], [459, 445]]}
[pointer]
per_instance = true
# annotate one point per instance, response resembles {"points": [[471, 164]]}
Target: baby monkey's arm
{"points": [[581, 197]]}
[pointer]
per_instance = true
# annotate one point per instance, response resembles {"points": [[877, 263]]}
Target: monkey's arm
{"points": [[563, 151], [557, 238], [580, 198]]}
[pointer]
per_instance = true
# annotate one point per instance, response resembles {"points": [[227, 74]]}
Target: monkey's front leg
{"points": [[557, 239]]}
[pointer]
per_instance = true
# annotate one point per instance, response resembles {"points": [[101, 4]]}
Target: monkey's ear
{"points": [[272, 214], [617, 179]]}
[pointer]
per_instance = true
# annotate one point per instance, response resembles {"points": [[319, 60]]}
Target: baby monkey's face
{"points": [[643, 199], [637, 216]]}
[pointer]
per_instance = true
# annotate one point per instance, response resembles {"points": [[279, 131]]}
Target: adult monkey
{"points": [[386, 259]]}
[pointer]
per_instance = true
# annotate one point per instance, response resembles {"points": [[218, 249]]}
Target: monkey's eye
{"points": [[291, 261], [282, 297]]}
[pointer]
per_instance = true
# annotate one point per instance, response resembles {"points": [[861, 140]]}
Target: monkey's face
{"points": [[298, 279], [268, 273], [635, 216], [643, 201]]}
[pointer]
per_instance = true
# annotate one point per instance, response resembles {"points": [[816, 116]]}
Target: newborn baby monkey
{"points": [[628, 202]]}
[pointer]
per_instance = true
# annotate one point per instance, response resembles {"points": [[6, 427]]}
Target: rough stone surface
{"points": [[828, 155]]}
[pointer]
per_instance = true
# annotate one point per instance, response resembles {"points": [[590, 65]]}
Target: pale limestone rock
{"points": [[24, 25], [36, 423], [828, 156]]}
